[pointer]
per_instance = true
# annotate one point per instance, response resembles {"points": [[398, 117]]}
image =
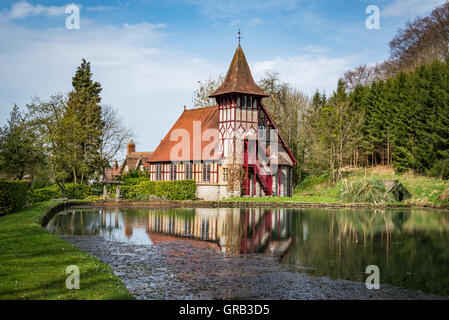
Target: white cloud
{"points": [[24, 9], [410, 8], [148, 83], [306, 72], [102, 8]]}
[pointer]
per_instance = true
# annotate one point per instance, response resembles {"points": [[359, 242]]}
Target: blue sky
{"points": [[149, 54]]}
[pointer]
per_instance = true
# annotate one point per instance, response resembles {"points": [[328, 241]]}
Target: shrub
{"points": [[78, 191], [45, 194], [365, 191], [72, 191], [173, 190], [134, 181], [13, 195], [128, 192]]}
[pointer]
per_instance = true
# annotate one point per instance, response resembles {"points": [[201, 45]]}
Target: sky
{"points": [[149, 55]]}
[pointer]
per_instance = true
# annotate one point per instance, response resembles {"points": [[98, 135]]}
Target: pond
{"points": [[410, 247]]}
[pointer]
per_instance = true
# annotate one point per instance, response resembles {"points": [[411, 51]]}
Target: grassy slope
{"points": [[33, 262], [424, 190]]}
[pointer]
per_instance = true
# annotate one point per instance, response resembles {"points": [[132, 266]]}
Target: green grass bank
{"points": [[425, 191], [33, 262]]}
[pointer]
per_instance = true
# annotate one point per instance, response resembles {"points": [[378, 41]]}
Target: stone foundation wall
{"points": [[212, 192]]}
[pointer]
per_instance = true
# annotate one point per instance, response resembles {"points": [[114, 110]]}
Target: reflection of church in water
{"points": [[231, 230]]}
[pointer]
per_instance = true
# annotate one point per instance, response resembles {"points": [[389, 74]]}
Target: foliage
{"points": [[79, 191], [13, 195], [20, 152], [45, 194], [134, 181], [407, 120], [287, 107], [365, 191], [135, 174], [58, 132], [72, 191], [34, 262], [83, 107], [333, 128], [173, 190]]}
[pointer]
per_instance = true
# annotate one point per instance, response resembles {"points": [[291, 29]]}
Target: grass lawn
{"points": [[424, 190], [295, 198], [33, 262]]}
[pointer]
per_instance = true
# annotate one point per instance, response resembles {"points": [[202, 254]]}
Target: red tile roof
{"points": [[239, 78], [208, 118]]}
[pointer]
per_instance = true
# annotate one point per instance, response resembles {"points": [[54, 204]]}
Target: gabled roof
{"points": [[208, 118], [134, 158], [239, 78]]}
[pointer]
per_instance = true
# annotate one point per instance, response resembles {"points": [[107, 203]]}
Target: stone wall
{"points": [[212, 192]]}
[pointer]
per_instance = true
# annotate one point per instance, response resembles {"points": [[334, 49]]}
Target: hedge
{"points": [[13, 195], [72, 191], [173, 190], [45, 194]]}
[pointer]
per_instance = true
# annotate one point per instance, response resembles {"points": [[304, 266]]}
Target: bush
{"points": [[128, 192], [173, 190], [13, 195], [45, 194], [365, 191], [134, 181], [72, 191], [78, 191]]}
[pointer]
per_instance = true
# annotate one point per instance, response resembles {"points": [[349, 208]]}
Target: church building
{"points": [[232, 149]]}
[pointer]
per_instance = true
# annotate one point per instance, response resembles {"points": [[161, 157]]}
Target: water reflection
{"points": [[411, 247]]}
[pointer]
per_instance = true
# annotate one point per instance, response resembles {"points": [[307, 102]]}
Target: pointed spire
{"points": [[239, 78]]}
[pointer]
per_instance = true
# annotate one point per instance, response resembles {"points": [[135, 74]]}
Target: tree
{"points": [[362, 75], [333, 130], [204, 90], [287, 107], [60, 131], [114, 136], [83, 105], [20, 152], [422, 40]]}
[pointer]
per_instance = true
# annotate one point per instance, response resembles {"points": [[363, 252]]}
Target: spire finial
{"points": [[239, 37]]}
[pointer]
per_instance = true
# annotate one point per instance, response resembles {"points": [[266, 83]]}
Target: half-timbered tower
{"points": [[232, 149]]}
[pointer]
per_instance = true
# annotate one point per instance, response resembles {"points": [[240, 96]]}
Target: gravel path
{"points": [[183, 270]]}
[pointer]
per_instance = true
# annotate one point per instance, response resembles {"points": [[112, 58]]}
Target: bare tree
{"points": [[204, 90], [114, 138], [363, 75], [422, 40]]}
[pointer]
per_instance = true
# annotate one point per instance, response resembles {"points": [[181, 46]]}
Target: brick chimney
{"points": [[131, 147]]}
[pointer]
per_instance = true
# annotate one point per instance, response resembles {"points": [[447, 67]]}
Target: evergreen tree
{"points": [[84, 106], [20, 152]]}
